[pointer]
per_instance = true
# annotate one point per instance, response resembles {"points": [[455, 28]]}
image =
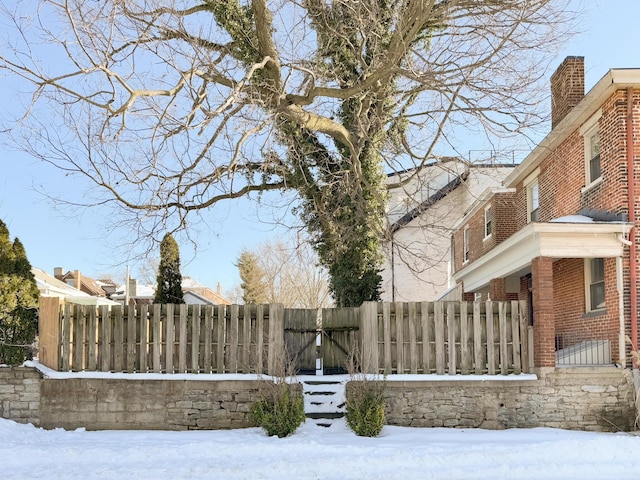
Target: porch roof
{"points": [[557, 239]]}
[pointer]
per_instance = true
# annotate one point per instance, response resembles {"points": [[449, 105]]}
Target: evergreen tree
{"points": [[18, 301], [254, 288], [169, 277]]}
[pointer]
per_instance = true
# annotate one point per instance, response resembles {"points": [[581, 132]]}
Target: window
{"points": [[594, 279], [488, 221], [594, 157], [465, 245], [533, 201], [591, 135]]}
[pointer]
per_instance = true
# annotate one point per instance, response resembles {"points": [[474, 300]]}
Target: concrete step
{"points": [[324, 399]]}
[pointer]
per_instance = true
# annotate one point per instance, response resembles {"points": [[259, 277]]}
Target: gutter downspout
{"points": [[633, 293]]}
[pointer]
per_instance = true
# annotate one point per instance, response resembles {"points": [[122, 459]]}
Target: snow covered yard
{"points": [[316, 453]]}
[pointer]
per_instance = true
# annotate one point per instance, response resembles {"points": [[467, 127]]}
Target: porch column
{"points": [[544, 328]]}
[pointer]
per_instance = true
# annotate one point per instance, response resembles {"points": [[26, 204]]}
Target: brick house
{"points": [[559, 231]]}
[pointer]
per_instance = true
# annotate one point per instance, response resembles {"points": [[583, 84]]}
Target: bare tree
{"points": [[292, 275], [168, 107]]}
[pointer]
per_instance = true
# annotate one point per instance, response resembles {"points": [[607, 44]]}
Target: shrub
{"points": [[365, 401], [365, 407], [281, 410]]}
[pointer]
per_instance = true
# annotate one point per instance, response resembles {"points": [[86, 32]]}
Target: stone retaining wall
{"points": [[599, 399], [596, 399], [20, 394], [104, 404]]}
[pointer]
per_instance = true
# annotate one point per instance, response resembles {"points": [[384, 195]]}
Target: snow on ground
{"points": [[317, 453]]}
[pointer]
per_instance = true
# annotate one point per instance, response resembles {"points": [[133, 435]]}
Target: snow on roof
{"points": [[188, 282], [49, 286], [573, 219]]}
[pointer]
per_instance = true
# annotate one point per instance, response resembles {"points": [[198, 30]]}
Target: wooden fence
{"points": [[446, 338], [166, 339], [392, 338]]}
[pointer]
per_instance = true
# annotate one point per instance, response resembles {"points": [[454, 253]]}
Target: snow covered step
{"points": [[324, 398]]}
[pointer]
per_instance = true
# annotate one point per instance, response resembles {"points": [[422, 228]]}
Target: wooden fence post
{"points": [[276, 339], [369, 331], [49, 332]]}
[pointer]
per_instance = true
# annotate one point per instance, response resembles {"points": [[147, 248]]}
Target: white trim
{"points": [[530, 179], [591, 124], [529, 194], [588, 134], [465, 245], [593, 184], [587, 287], [556, 240], [492, 221]]}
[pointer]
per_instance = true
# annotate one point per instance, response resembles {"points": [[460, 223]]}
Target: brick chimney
{"points": [[77, 279], [58, 272], [567, 88], [133, 287]]}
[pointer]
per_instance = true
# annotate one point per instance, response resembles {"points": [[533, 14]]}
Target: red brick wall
{"points": [[504, 226]]}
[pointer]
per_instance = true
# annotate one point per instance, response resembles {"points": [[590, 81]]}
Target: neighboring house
{"points": [[215, 297], [421, 216], [557, 233], [50, 286], [81, 282], [139, 294], [194, 293]]}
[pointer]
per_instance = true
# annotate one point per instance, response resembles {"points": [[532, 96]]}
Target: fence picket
{"points": [[91, 338], [465, 356], [386, 325], [515, 336], [502, 318], [399, 317], [105, 334], [219, 321], [439, 337], [206, 335], [118, 339], [478, 357], [425, 324], [182, 341], [260, 363], [246, 340], [156, 328], [413, 342], [143, 358], [491, 353], [169, 336], [196, 346], [130, 322], [451, 337]]}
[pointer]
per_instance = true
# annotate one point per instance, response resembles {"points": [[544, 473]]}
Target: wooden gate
{"points": [[327, 340]]}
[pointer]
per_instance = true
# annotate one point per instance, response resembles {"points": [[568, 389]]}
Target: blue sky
{"points": [[78, 239]]}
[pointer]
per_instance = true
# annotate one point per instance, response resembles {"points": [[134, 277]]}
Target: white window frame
{"points": [[530, 183], [489, 220], [588, 282], [465, 245], [589, 131]]}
